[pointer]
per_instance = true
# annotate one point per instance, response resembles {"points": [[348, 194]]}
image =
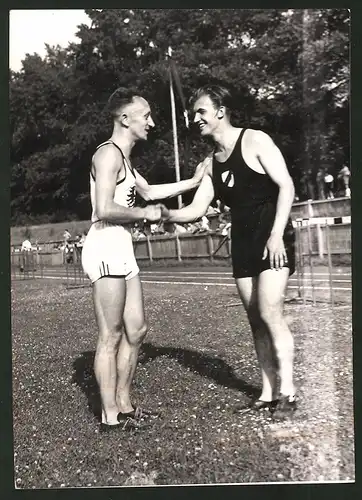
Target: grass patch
{"points": [[196, 364]]}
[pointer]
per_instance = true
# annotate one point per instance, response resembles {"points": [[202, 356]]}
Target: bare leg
{"points": [[271, 294], [135, 331], [109, 300], [247, 288]]}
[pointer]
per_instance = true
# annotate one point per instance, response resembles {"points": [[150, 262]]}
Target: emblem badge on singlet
{"points": [[228, 178], [131, 197]]}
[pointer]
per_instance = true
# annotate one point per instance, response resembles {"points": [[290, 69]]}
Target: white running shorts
{"points": [[108, 251]]}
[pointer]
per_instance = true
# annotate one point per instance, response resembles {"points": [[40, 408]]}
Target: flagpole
{"points": [[174, 129]]}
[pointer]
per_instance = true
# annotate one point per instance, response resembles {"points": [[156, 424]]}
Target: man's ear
{"points": [[124, 119], [221, 112]]}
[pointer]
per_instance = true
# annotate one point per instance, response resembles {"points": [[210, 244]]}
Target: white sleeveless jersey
{"points": [[125, 192]]}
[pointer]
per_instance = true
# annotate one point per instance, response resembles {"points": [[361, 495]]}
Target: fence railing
{"points": [[338, 207], [314, 240]]}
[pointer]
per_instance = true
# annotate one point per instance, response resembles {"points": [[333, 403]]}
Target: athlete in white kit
{"points": [[108, 257]]}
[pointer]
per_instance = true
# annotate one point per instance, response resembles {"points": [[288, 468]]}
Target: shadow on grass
{"points": [[209, 367], [83, 376]]}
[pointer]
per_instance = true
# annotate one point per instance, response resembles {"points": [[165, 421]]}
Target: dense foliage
{"points": [[289, 70]]}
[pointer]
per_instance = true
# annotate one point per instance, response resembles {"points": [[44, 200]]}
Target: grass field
{"points": [[196, 364]]}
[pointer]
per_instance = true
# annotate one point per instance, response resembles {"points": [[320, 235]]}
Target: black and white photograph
{"points": [[180, 247]]}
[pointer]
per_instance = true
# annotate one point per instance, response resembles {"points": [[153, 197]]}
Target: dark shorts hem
{"points": [[254, 273]]}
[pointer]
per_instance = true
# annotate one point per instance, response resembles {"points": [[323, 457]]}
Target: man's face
{"points": [[205, 115], [139, 118]]}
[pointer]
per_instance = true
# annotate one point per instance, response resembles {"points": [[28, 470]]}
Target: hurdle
{"points": [[299, 261], [75, 277], [330, 265], [304, 259], [310, 252], [24, 265]]}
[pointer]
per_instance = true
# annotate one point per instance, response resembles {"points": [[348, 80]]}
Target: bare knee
{"points": [[136, 334], [109, 339], [254, 317], [272, 314]]}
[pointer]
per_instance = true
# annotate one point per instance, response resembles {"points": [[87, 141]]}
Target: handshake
{"points": [[155, 213]]}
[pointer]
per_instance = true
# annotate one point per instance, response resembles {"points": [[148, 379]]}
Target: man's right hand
{"points": [[165, 213]]}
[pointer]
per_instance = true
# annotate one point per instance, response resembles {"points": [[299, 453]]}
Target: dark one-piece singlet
{"points": [[252, 198]]}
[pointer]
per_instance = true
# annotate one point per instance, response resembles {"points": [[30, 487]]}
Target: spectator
{"points": [[320, 184], [66, 237], [179, 229], [328, 179], [307, 186], [68, 253], [26, 246], [226, 230], [83, 237], [344, 175], [204, 224]]}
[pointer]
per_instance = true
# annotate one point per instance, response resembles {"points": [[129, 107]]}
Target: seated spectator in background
{"points": [[328, 179], [179, 229], [212, 211], [192, 227], [169, 228], [320, 184], [204, 224], [157, 228], [137, 232], [226, 230], [344, 176]]}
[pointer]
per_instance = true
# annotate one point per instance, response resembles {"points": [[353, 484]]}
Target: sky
{"points": [[31, 29]]}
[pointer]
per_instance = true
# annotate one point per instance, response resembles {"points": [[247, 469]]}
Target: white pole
{"points": [[174, 129]]}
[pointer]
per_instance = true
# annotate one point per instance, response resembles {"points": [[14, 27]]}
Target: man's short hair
{"points": [[219, 95], [120, 98]]}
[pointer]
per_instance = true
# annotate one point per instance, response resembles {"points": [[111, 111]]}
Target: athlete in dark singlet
{"points": [[252, 198], [248, 173]]}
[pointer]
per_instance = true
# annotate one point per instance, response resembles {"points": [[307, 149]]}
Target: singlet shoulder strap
{"points": [[123, 156], [242, 133], [105, 143], [240, 139]]}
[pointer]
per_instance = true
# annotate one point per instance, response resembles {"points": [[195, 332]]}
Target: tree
{"points": [[288, 70]]}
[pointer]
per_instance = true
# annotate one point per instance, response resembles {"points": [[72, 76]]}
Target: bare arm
{"points": [[202, 199], [106, 166], [272, 161], [162, 191]]}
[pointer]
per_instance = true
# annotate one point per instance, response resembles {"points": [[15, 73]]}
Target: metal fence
{"points": [[26, 264]]}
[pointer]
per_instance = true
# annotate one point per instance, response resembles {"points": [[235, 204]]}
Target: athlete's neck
{"points": [[123, 139], [225, 137]]}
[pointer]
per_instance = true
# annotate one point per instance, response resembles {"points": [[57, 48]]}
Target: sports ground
{"points": [[196, 365]]}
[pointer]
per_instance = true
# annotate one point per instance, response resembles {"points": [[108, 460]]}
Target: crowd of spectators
{"points": [[323, 185], [219, 212]]}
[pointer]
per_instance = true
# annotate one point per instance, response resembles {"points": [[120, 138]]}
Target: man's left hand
{"points": [[276, 250], [200, 169]]}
